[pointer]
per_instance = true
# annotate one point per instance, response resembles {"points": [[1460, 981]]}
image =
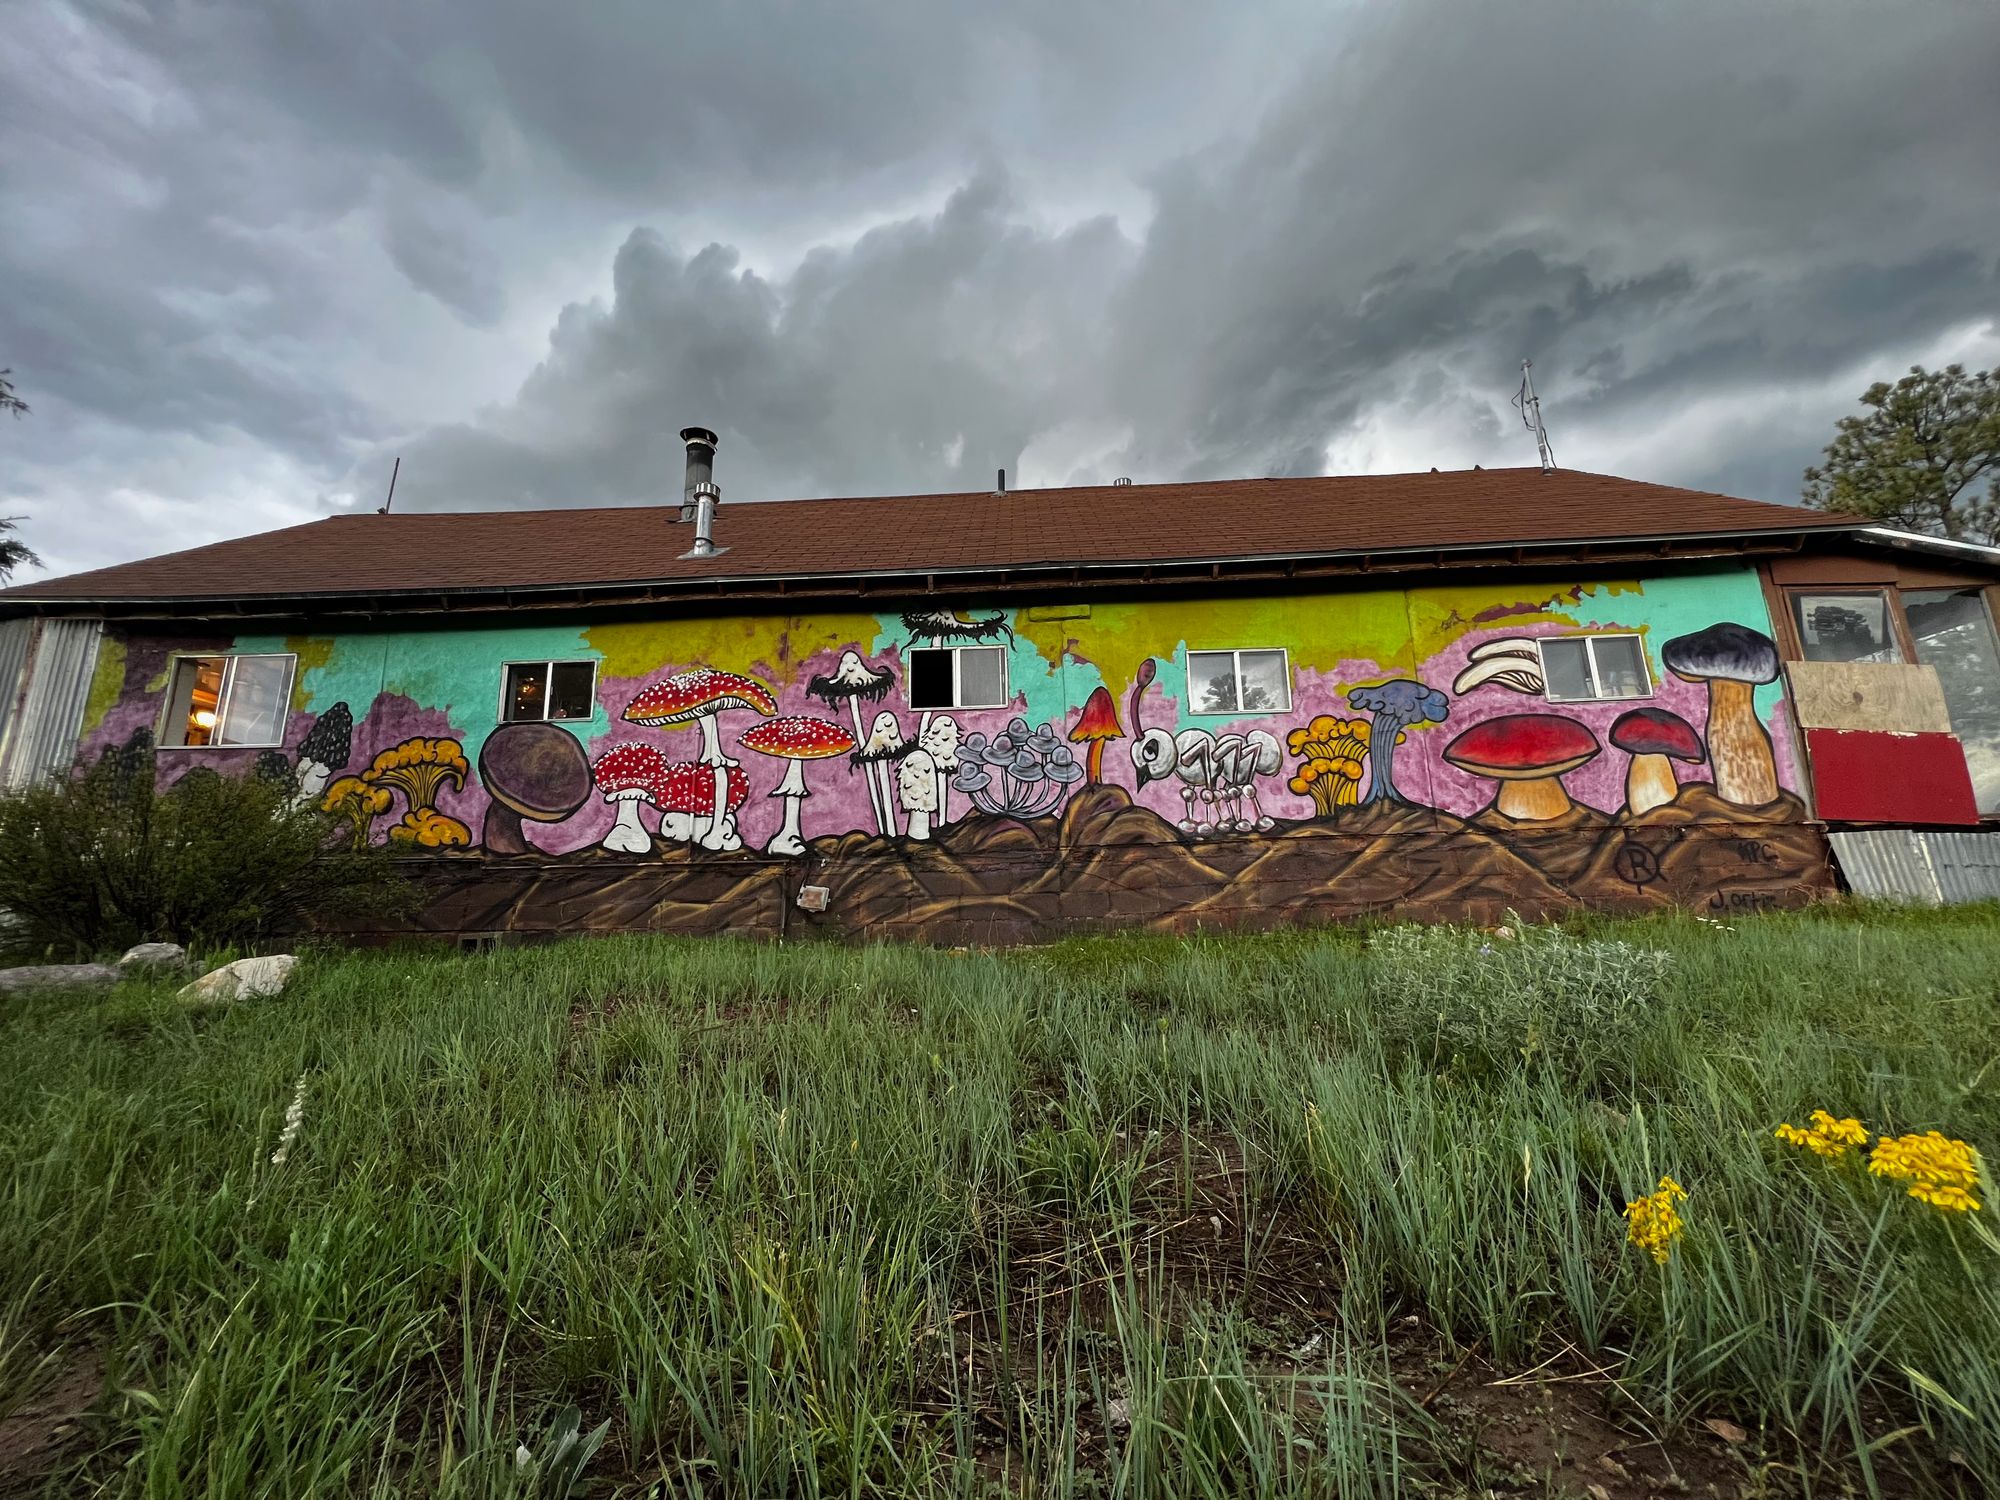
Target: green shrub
{"points": [[1458, 996], [107, 858]]}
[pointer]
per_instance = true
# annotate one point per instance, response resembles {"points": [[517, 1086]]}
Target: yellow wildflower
{"points": [[1941, 1172], [1652, 1222], [1826, 1136]]}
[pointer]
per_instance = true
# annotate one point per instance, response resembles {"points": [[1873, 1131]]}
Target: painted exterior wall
{"points": [[1361, 663]]}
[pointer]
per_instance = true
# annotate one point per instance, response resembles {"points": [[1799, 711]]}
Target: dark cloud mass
{"points": [[255, 252]]}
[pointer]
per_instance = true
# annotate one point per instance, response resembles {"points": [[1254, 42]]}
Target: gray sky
{"points": [[251, 252]]}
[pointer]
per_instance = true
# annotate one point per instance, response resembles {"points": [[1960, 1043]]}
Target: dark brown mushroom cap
{"points": [[1517, 747], [1656, 731], [1731, 651], [538, 770]]}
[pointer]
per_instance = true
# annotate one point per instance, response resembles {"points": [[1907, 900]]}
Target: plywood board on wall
{"points": [[1890, 697]]}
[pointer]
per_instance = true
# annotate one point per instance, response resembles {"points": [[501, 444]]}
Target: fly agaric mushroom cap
{"points": [[687, 696], [689, 787], [1656, 731], [1522, 747], [797, 737], [1730, 651], [630, 770]]}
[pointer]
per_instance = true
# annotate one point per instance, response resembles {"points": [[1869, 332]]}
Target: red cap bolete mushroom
{"points": [[536, 772], [797, 738], [1097, 724], [627, 775], [1655, 738], [1527, 754], [1732, 659], [696, 697]]}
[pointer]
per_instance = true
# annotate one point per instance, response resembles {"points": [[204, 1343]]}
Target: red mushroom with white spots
{"points": [[1527, 754], [627, 775], [1655, 738], [686, 794], [696, 697], [797, 738]]}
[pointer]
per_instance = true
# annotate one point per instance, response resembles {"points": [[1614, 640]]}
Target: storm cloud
{"points": [[255, 253]]}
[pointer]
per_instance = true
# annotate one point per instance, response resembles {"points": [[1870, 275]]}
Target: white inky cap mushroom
{"points": [[916, 790]]}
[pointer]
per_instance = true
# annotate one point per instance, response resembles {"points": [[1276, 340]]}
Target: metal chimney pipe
{"points": [[706, 498], [700, 465]]}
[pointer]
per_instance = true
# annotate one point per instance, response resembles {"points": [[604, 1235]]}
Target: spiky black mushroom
{"points": [[272, 767], [330, 741]]}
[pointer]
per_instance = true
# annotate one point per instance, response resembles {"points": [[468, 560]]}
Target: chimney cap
{"points": [[699, 435]]}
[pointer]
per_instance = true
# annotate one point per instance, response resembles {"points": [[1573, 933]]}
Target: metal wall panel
{"points": [[17, 639], [42, 742], [1900, 864]]}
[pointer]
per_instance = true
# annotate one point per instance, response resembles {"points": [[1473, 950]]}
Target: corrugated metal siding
{"points": [[16, 637], [42, 742], [1900, 864]]}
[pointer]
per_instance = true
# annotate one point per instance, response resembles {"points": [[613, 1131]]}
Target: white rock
{"points": [[246, 979], [155, 956]]}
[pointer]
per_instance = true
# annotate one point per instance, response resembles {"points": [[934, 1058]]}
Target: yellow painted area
{"points": [[107, 683], [742, 643], [1319, 631], [313, 652], [1439, 616]]}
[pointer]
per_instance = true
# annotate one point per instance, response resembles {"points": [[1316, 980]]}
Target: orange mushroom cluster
{"points": [[420, 768], [1332, 751]]}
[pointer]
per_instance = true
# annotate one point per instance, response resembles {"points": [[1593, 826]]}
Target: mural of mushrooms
{"points": [[1527, 754], [1152, 750], [1396, 705], [940, 743], [1733, 660], [1655, 738], [1239, 761], [327, 747], [1194, 760], [697, 697], [533, 773], [1511, 662], [420, 768], [685, 796], [797, 738], [917, 790], [942, 626], [1332, 751], [1017, 773], [1095, 726], [884, 746], [851, 680], [274, 768], [627, 775], [359, 803]]}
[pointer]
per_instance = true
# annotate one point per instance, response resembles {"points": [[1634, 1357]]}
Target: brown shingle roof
{"points": [[433, 552]]}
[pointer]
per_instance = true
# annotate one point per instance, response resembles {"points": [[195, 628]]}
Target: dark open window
{"points": [[956, 677]]}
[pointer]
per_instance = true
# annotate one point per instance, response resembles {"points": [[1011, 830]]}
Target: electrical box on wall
{"points": [[813, 897]]}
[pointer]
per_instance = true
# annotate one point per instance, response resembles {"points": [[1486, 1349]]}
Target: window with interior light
{"points": [[1587, 668], [1239, 682], [955, 677], [233, 702], [538, 690]]}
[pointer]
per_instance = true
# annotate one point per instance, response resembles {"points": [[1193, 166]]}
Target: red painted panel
{"points": [[1869, 776]]}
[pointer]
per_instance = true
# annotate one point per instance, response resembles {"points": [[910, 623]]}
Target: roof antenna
{"points": [[392, 486], [1531, 416]]}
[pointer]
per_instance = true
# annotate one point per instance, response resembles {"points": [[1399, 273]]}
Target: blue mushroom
{"points": [[1394, 706]]}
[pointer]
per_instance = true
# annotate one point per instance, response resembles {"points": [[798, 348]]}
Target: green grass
{"points": [[1123, 1217]]}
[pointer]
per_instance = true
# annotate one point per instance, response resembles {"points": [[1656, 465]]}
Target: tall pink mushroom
{"points": [[696, 697], [797, 738], [627, 775]]}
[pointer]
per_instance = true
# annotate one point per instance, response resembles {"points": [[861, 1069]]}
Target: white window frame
{"points": [[1236, 667], [1590, 659], [222, 696], [548, 666], [1006, 699]]}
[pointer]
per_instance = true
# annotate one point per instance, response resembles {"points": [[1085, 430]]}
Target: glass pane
{"points": [[255, 712], [982, 677], [1953, 632], [570, 694], [527, 689], [1845, 627], [927, 674], [1566, 668], [191, 706], [1211, 682], [1266, 688], [1621, 666]]}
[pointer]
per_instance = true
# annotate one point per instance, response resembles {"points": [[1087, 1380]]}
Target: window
{"points": [[1580, 668], [1952, 630], [1239, 682], [956, 677], [549, 690], [236, 701], [1848, 626]]}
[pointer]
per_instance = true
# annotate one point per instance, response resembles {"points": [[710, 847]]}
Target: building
{"points": [[1004, 715]]}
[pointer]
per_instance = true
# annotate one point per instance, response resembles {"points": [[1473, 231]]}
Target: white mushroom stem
{"points": [[719, 835], [628, 835], [793, 789], [1650, 783], [878, 787]]}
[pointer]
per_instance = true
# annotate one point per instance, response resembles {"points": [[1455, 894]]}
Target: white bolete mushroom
{"points": [[696, 697], [1732, 659], [917, 791], [797, 738], [627, 775]]}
